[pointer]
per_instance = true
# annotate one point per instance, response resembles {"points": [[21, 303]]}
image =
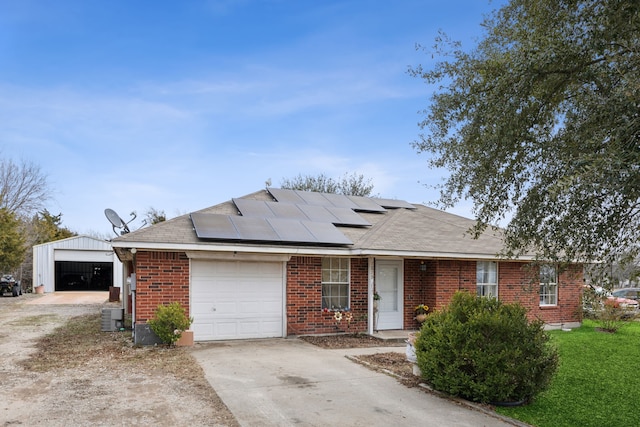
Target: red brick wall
{"points": [[161, 278], [419, 288], [517, 282], [452, 276], [568, 309], [304, 298]]}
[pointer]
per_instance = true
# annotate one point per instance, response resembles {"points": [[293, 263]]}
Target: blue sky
{"points": [[180, 105]]}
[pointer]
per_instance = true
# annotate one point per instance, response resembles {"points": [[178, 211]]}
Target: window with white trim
{"points": [[335, 283], [548, 285], [487, 278]]}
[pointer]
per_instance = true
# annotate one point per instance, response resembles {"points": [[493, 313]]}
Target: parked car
{"points": [[629, 293], [594, 298], [629, 305], [9, 284]]}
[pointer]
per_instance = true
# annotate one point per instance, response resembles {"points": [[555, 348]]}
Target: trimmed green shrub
{"points": [[169, 322], [486, 351]]}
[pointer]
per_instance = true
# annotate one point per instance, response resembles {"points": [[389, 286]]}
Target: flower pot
{"points": [[416, 370], [186, 339], [421, 317], [40, 289]]}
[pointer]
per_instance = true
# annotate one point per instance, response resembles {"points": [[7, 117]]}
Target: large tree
{"points": [[351, 185], [541, 123]]}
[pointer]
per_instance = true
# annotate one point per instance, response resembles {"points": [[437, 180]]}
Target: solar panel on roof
{"points": [[210, 226], [327, 233], [284, 195], [292, 231], [358, 203], [318, 214], [393, 203], [330, 214], [255, 208], [254, 229], [347, 216], [366, 204], [287, 210], [313, 198], [340, 200], [239, 228]]}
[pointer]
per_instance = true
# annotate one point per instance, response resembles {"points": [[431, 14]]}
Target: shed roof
{"points": [[81, 242]]}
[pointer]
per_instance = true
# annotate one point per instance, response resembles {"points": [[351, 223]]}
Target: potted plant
{"points": [[376, 299], [421, 312]]}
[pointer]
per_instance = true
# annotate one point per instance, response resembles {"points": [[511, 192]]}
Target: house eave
{"points": [[125, 247]]}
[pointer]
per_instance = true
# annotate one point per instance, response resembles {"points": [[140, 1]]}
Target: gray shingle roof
{"points": [[419, 232]]}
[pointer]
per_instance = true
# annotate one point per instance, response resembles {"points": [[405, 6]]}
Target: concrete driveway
{"points": [[287, 382]]}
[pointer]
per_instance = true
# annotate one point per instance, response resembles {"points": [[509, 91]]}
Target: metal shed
{"points": [[77, 263]]}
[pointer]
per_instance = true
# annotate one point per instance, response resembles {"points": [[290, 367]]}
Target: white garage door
{"points": [[236, 299]]}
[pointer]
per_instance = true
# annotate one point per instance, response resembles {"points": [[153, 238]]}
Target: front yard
{"points": [[596, 384]]}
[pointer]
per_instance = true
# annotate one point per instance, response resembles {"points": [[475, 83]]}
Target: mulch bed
{"points": [[344, 341]]}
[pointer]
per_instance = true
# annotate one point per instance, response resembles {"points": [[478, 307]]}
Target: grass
{"points": [[596, 384]]}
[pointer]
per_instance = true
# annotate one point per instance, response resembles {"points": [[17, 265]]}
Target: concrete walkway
{"points": [[287, 382], [71, 297]]}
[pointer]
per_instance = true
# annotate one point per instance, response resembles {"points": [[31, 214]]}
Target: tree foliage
{"points": [[12, 244], [47, 227], [541, 122], [23, 187], [351, 185]]}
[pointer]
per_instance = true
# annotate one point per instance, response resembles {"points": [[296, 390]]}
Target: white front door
{"points": [[389, 284]]}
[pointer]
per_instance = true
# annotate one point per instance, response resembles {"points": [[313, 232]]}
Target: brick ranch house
{"points": [[281, 262]]}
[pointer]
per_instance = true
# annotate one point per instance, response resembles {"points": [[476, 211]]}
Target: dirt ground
{"points": [[107, 382], [86, 377]]}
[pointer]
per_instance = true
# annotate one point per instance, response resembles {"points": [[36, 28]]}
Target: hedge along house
{"points": [[283, 262]]}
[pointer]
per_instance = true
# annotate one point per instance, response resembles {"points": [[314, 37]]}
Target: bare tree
{"points": [[154, 216], [23, 187]]}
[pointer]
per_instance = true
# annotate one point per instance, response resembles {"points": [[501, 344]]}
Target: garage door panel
{"points": [[203, 329], [226, 329], [237, 299]]}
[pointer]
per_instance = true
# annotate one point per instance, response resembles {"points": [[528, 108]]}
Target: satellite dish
{"points": [[117, 222]]}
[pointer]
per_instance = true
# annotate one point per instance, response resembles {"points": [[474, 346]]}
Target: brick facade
{"points": [[163, 277], [304, 298], [436, 283]]}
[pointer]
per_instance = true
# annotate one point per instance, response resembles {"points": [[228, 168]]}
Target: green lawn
{"points": [[597, 383]]}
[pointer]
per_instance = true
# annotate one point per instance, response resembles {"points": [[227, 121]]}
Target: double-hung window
{"points": [[487, 278], [335, 283], [548, 285]]}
